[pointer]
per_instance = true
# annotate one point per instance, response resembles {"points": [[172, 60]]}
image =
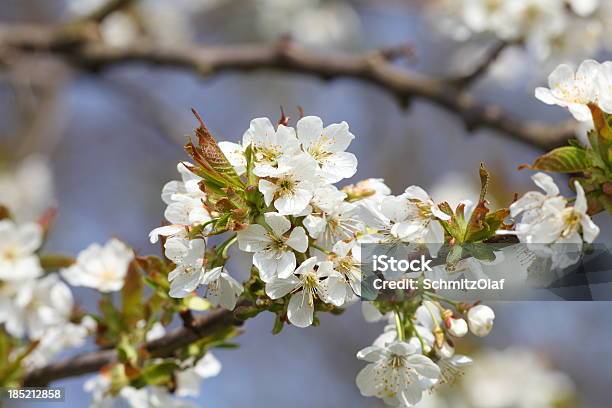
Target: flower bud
{"points": [[480, 320], [458, 327]]}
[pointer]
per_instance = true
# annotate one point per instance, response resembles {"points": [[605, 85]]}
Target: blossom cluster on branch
{"points": [[276, 196]]}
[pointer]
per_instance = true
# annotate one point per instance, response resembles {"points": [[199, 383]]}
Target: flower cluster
{"points": [[34, 307], [403, 363], [276, 193], [186, 210], [551, 30], [548, 219]]}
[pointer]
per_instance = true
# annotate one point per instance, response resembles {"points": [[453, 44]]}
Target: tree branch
{"points": [[374, 68], [106, 9], [165, 346], [483, 66]]}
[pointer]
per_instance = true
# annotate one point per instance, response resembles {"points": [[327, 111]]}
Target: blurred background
{"points": [[101, 146]]}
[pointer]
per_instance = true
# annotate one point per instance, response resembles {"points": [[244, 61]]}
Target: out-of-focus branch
{"points": [[106, 9], [483, 66], [374, 68], [165, 346]]}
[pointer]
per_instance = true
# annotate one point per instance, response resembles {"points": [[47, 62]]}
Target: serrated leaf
{"points": [[566, 159], [213, 155]]}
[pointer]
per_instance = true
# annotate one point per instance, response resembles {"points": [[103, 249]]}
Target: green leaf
{"points": [[567, 159], [159, 373]]}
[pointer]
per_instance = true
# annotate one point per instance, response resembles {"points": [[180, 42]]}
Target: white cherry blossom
{"points": [[185, 199], [273, 247], [188, 381], [395, 373], [346, 258], [534, 200], [327, 147], [269, 144], [604, 82], [27, 190], [572, 89], [330, 226], [222, 289], [18, 246], [234, 153], [414, 217], [30, 307], [289, 186], [547, 219], [101, 267], [310, 280], [188, 256]]}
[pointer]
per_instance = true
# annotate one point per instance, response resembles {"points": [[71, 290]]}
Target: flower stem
{"points": [[418, 336], [399, 326], [325, 251], [435, 296], [224, 247]]}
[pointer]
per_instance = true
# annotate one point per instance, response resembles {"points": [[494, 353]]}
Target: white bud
{"points": [[446, 351], [458, 327], [480, 320]]}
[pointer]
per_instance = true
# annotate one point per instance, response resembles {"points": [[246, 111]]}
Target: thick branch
{"points": [[162, 347], [373, 68]]}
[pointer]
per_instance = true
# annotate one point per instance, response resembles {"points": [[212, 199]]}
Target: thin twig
{"points": [[483, 66]]}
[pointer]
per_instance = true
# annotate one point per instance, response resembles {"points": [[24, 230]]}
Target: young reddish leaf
{"points": [[131, 296], [213, 155]]}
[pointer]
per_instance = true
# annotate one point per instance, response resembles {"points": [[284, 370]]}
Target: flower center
{"points": [[571, 219], [424, 209], [286, 186], [108, 275], [318, 149], [397, 361], [10, 254], [276, 243], [310, 281], [345, 265], [267, 154]]}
